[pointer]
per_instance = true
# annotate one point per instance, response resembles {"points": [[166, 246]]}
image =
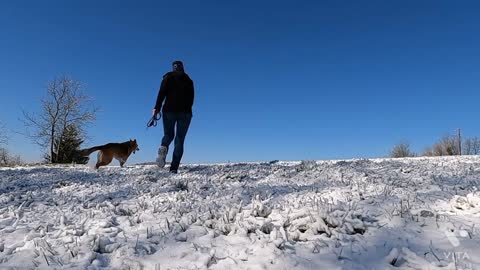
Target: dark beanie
{"points": [[177, 66]]}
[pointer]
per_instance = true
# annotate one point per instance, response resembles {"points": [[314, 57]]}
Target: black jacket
{"points": [[177, 91]]}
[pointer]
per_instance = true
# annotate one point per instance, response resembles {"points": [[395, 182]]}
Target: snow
{"points": [[415, 213]]}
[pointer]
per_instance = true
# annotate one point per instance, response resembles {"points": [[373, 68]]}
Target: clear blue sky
{"points": [[274, 80]]}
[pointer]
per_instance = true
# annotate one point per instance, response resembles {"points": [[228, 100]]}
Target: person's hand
{"points": [[156, 114]]}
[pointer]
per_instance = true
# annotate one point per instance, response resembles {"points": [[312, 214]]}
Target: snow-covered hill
{"points": [[419, 213]]}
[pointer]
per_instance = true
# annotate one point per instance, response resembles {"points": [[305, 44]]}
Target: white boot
{"points": [[162, 155]]}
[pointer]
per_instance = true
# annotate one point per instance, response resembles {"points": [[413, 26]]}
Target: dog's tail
{"points": [[88, 151]]}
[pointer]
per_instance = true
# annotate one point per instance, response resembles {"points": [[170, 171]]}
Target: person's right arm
{"points": [[192, 96]]}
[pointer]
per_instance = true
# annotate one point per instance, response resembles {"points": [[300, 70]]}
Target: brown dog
{"points": [[119, 151]]}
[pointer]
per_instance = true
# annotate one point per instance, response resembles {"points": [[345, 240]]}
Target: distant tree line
{"points": [[447, 145], [6, 159]]}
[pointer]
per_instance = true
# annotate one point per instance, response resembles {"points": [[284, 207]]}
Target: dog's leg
{"points": [[122, 161], [99, 160], [103, 159]]}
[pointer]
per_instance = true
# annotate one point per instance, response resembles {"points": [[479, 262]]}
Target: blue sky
{"points": [[285, 80]]}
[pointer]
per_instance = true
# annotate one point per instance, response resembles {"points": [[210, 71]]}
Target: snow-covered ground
{"points": [[418, 213]]}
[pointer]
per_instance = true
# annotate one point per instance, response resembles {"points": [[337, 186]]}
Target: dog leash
{"points": [[153, 121]]}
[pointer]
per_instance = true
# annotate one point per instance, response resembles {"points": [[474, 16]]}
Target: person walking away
{"points": [[177, 91]]}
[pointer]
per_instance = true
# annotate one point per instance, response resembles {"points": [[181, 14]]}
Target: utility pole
{"points": [[459, 142]]}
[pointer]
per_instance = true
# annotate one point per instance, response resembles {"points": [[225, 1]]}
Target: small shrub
{"points": [[401, 150]]}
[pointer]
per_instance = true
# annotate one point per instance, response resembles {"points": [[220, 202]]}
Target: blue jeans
{"points": [[182, 121]]}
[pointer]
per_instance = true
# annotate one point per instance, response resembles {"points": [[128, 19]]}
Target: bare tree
{"points": [[447, 146], [428, 152], [4, 156], [3, 134], [64, 105], [401, 150], [450, 146], [6, 159], [471, 146]]}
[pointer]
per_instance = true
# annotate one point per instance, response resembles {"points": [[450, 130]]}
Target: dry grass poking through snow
{"points": [[417, 213]]}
